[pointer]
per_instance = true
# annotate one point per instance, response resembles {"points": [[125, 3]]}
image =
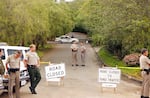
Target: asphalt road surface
{"points": [[80, 82]]}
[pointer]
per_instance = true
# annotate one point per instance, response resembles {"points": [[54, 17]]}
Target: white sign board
{"points": [[109, 75], [55, 71]]}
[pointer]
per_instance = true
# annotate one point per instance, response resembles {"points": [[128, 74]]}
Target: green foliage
{"points": [[44, 50], [113, 61], [124, 24], [24, 22], [97, 40], [109, 59]]}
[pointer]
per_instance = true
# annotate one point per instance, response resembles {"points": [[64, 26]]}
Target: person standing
{"points": [[74, 48], [145, 69], [2, 68], [14, 73], [32, 62], [1, 53], [83, 52]]}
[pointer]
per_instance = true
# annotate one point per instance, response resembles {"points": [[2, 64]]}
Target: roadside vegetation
{"points": [[44, 50], [35, 21], [122, 26], [112, 61]]}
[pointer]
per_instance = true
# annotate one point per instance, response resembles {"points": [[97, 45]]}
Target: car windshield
{"points": [[62, 37], [11, 51]]}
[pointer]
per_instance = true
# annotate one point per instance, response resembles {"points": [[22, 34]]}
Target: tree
{"points": [[123, 24], [24, 22]]}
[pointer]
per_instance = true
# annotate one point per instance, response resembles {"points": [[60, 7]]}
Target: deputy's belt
{"points": [[32, 66], [74, 50], [146, 70], [13, 70]]}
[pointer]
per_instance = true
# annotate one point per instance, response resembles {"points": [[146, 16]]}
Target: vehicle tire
{"points": [[73, 41], [60, 42]]}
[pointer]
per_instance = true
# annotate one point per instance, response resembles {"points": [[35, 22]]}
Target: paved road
{"points": [[80, 82]]}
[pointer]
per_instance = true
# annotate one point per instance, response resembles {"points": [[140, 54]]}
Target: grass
{"points": [[112, 61]]}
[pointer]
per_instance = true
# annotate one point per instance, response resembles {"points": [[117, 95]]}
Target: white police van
{"points": [[24, 76]]}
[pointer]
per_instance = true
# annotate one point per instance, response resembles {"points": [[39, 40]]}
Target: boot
{"points": [[142, 96], [145, 97]]}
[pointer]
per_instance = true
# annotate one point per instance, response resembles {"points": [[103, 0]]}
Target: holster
{"points": [[147, 71]]}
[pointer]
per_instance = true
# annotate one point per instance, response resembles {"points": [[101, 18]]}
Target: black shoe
{"points": [[72, 65], [77, 65], [31, 89], [142, 96], [34, 92], [83, 65]]}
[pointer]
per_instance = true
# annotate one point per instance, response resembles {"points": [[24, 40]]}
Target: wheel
{"points": [[73, 41], [60, 42]]}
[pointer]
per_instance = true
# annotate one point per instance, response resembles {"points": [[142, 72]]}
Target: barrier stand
{"points": [[107, 85], [109, 77], [59, 80], [61, 83]]}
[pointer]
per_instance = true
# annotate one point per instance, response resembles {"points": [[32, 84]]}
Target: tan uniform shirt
{"points": [[83, 49], [74, 47], [13, 62], [32, 58], [144, 62]]}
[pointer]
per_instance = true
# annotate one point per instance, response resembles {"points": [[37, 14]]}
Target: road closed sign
{"points": [[55, 71], [109, 75]]}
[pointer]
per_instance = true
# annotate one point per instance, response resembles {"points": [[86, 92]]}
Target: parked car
{"points": [[66, 39], [24, 76]]}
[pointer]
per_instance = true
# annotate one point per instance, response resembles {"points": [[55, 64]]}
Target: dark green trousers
{"points": [[35, 76]]}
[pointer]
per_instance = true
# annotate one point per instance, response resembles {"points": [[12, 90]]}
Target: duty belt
{"points": [[74, 50], [146, 70], [13, 70], [32, 66]]}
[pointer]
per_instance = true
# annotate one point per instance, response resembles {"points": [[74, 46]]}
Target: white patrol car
{"points": [[66, 39], [24, 76]]}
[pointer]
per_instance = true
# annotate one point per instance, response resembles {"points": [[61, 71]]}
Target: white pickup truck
{"points": [[24, 76]]}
